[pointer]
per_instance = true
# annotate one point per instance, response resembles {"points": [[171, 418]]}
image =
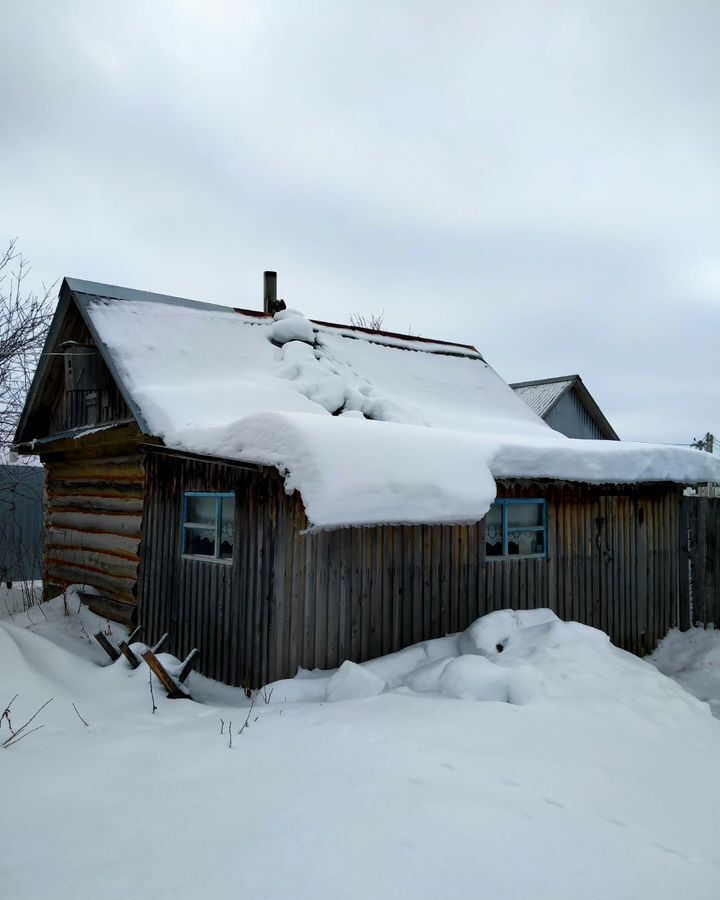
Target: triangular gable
{"points": [[70, 323], [544, 395]]}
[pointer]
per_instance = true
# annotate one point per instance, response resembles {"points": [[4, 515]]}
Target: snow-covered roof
{"points": [[368, 427]]}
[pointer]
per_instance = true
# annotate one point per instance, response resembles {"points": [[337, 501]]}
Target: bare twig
{"points": [[16, 734], [80, 717], [371, 322], [5, 717], [230, 736], [24, 321], [222, 726], [10, 742], [247, 720], [152, 693], [266, 695]]}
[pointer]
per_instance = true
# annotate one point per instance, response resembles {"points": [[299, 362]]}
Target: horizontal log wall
{"points": [[94, 518]]}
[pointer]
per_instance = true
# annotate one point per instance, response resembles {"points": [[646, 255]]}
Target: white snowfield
{"points": [[368, 428], [583, 773]]}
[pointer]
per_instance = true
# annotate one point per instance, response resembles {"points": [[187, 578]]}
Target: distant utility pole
{"points": [[707, 443]]}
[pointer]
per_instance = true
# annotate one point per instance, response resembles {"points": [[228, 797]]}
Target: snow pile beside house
{"points": [[368, 428], [692, 658], [603, 784], [518, 657]]}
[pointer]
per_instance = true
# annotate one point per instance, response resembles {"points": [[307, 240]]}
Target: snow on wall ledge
{"points": [[369, 429]]}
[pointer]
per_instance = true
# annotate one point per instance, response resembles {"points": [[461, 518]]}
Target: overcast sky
{"points": [[540, 179]]}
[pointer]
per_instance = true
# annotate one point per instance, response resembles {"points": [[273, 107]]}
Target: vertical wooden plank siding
{"points": [[699, 535], [296, 598]]}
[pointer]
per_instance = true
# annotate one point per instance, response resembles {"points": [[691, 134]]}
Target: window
{"points": [[209, 526], [516, 529]]}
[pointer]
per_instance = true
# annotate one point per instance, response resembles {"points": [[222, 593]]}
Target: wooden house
{"points": [[281, 492], [567, 406]]}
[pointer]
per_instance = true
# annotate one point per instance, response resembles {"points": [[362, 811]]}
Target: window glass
{"points": [[199, 542], [494, 531], [201, 510], [526, 543], [209, 526], [515, 528], [524, 515], [227, 527]]}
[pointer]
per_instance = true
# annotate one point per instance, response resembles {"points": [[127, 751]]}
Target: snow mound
{"points": [[692, 658], [518, 657], [353, 682], [474, 678]]}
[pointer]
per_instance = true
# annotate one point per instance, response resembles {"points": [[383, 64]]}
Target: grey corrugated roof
{"points": [[542, 395]]}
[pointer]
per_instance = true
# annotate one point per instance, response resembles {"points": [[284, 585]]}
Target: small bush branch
{"points": [[152, 693], [15, 736], [80, 717]]}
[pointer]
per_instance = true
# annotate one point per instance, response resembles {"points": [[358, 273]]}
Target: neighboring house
{"points": [[281, 492], [567, 406]]}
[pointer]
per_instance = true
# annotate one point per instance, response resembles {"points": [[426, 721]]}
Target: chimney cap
{"points": [[269, 292]]}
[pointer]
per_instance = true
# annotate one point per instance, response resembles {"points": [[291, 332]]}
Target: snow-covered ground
{"points": [[590, 775]]}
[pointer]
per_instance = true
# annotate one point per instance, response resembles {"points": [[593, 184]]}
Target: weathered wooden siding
{"points": [[570, 417], [224, 610], [94, 516], [314, 599], [612, 563], [700, 560], [362, 592]]}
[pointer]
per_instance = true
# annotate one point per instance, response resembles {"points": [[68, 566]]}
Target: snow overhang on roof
{"points": [[369, 427]]}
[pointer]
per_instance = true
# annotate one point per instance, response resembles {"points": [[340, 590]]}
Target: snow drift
{"points": [[601, 781], [518, 657]]}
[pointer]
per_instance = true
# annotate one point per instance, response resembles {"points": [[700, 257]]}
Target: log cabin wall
{"points": [[296, 599], [94, 505]]}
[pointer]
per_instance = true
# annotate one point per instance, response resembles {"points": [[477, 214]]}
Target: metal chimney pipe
{"points": [[269, 292]]}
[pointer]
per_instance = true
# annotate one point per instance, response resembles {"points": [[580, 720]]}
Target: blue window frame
{"points": [[208, 526], [516, 529]]}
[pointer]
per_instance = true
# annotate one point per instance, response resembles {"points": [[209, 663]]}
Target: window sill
{"points": [[513, 558], [210, 559]]}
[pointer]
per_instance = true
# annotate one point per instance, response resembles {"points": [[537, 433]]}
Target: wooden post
{"points": [[173, 691], [188, 665], [107, 646]]}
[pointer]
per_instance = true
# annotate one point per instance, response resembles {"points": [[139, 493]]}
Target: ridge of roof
{"points": [[537, 381], [117, 292]]}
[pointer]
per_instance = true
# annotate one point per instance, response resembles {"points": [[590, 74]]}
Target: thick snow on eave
{"points": [[354, 472]]}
